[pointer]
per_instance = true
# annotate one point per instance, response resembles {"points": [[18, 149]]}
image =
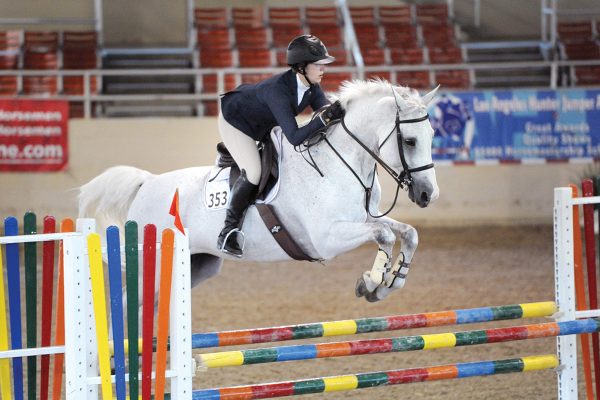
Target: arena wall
{"points": [[470, 195]]}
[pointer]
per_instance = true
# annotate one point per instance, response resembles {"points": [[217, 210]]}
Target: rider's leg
{"points": [[244, 151]]}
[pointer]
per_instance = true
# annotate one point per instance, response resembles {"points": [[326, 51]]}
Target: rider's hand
{"points": [[332, 112]]}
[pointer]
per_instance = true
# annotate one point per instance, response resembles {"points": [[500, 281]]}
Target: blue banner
{"points": [[516, 125]]}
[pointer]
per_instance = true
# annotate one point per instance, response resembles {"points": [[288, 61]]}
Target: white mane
{"points": [[357, 89]]}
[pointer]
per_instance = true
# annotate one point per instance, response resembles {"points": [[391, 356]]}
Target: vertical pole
{"points": [[181, 322], [75, 310], [565, 291], [87, 226], [544, 21], [553, 23]]}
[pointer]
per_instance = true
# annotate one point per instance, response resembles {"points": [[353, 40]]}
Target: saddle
{"points": [[268, 179], [268, 163]]}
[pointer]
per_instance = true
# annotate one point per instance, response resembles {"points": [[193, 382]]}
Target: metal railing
{"points": [[88, 98]]}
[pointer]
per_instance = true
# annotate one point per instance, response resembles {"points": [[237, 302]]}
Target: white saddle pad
{"points": [[216, 189]]}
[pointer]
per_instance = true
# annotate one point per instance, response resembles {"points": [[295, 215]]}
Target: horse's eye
{"points": [[410, 142]]}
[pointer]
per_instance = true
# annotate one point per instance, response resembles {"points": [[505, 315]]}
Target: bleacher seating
{"points": [[10, 45], [40, 51], [212, 35], [286, 23], [577, 41]]}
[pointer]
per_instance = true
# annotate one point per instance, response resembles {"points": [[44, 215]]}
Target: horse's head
{"points": [[405, 142]]}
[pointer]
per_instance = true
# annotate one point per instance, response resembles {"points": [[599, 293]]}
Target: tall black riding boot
{"points": [[242, 194]]}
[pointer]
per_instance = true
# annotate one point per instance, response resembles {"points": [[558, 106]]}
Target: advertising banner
{"points": [[515, 125], [33, 135]]}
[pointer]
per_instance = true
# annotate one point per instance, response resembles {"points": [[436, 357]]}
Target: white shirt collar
{"points": [[302, 88]]}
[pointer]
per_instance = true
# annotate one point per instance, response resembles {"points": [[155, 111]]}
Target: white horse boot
{"points": [[396, 276], [375, 277]]}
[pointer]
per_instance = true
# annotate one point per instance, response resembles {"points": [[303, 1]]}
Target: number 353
{"points": [[217, 199]]}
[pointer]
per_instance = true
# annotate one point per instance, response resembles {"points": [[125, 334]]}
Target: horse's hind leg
{"points": [[203, 267]]}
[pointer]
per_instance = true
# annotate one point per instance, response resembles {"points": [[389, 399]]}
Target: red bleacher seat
{"points": [[413, 79], [80, 50], [8, 86], [455, 79], [216, 58], [40, 52], [211, 17], [340, 54], [214, 37], [285, 16], [581, 51], [248, 16], [40, 85], [445, 55], [247, 37], [211, 108], [283, 35], [395, 15], [432, 13], [330, 35], [363, 15], [74, 85], [575, 32], [438, 35], [76, 109], [212, 25], [209, 83], [589, 75], [254, 58], [406, 56], [10, 45], [373, 56], [400, 36], [332, 80]]}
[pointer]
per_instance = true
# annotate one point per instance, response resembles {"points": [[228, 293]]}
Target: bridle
{"points": [[403, 179]]}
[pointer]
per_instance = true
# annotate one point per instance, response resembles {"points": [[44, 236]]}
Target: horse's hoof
{"points": [[361, 287], [371, 297]]}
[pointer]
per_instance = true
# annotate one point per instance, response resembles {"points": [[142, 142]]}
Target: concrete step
{"points": [[148, 87], [146, 109]]}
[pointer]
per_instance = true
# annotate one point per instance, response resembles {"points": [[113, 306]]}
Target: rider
{"points": [[249, 112]]}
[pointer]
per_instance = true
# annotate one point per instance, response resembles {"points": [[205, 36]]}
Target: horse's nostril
{"points": [[424, 197]]}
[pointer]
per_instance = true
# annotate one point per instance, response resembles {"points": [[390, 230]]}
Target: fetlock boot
{"points": [[242, 194]]}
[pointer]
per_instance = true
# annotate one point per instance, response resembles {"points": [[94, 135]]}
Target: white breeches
{"points": [[242, 148]]}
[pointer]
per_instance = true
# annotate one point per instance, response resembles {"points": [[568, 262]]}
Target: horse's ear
{"points": [[429, 96], [400, 101]]}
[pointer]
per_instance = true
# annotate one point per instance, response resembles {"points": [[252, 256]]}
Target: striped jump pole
{"points": [[383, 378], [399, 344], [378, 324]]}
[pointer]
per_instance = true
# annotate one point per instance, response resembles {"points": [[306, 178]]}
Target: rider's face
{"points": [[315, 72]]}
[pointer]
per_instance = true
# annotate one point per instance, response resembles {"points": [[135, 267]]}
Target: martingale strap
{"points": [[281, 235]]}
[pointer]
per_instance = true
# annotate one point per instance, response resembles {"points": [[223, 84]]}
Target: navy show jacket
{"points": [[255, 109]]}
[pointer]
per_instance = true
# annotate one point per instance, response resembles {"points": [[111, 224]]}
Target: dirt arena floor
{"points": [[453, 268]]}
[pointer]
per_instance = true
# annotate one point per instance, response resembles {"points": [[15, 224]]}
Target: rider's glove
{"points": [[332, 112]]}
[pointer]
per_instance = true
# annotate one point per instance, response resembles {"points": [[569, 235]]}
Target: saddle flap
{"points": [[268, 162]]}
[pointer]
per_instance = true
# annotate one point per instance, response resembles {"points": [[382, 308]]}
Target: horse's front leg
{"points": [[395, 277], [349, 235]]}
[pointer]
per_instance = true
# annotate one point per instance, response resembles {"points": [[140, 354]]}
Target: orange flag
{"points": [[174, 211]]}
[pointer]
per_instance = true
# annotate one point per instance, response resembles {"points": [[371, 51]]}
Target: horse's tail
{"points": [[108, 196]]}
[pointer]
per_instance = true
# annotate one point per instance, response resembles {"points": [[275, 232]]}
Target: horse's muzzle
{"points": [[422, 199]]}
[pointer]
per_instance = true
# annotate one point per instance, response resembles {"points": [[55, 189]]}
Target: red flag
{"points": [[174, 211]]}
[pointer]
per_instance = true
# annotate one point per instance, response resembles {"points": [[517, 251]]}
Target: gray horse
{"points": [[328, 213]]}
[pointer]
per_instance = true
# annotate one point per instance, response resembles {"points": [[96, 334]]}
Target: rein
{"points": [[403, 179]]}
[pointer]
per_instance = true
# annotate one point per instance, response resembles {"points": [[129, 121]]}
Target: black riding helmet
{"points": [[306, 49]]}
